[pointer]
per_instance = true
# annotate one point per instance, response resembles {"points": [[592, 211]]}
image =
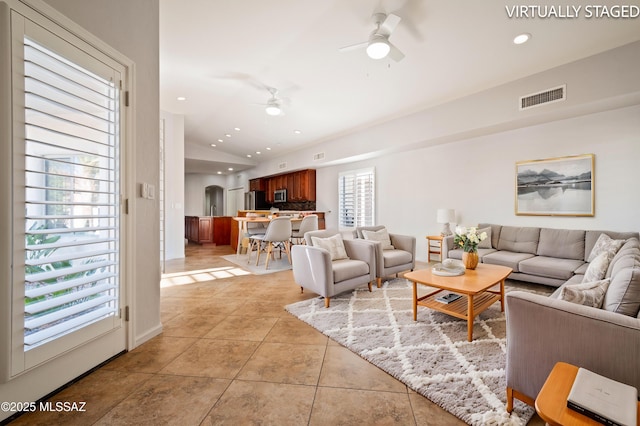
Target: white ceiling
{"points": [[221, 54]]}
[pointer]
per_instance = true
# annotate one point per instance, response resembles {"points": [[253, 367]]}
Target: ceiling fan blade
{"points": [[390, 23], [395, 53], [353, 47]]}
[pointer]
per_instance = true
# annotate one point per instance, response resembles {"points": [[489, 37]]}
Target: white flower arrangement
{"points": [[468, 238]]}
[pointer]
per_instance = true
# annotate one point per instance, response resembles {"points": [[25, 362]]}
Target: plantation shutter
{"points": [[356, 191], [72, 196]]}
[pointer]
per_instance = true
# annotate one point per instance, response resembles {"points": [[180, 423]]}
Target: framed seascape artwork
{"points": [[560, 186]]}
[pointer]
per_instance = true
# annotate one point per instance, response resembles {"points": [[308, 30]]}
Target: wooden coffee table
{"points": [[474, 286]]}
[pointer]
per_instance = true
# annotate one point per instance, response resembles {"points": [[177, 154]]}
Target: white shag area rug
{"points": [[432, 355]]}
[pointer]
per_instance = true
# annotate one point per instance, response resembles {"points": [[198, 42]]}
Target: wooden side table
{"points": [[551, 403], [434, 246]]}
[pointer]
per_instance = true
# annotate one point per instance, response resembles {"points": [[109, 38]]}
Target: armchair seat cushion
{"points": [[396, 257], [346, 269], [507, 258], [550, 267]]}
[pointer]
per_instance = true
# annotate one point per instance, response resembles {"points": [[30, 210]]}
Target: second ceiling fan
{"points": [[378, 46]]}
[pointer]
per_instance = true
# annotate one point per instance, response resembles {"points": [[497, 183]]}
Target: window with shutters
{"points": [[356, 198], [71, 194]]}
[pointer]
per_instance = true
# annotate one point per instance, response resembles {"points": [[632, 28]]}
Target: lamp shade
{"points": [[446, 216]]}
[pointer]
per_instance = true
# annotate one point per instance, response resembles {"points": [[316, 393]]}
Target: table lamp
{"points": [[446, 216]]}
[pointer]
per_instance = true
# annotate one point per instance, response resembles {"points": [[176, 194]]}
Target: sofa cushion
{"points": [[457, 253], [334, 245], [625, 257], [591, 237], [582, 269], [562, 243], [486, 243], [381, 235], [345, 269], [495, 232], [519, 239], [623, 295], [597, 268], [588, 294], [605, 244], [506, 258], [396, 257], [550, 267]]}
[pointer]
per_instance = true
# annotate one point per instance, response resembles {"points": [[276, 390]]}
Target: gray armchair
{"points": [[314, 270], [389, 262]]}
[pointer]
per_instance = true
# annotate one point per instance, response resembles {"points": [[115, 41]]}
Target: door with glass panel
{"points": [[67, 180]]}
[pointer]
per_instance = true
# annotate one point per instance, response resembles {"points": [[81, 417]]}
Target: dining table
{"points": [[243, 222]]}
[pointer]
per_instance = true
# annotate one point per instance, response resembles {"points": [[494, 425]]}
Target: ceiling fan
{"points": [[274, 104], [378, 46]]}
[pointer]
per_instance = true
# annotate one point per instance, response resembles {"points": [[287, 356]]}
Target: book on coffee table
{"points": [[448, 298], [604, 400]]}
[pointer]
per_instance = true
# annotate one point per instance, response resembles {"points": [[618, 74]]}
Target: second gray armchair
{"points": [[329, 265], [394, 252]]}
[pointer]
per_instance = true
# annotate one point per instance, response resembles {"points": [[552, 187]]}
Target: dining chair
{"points": [[278, 232], [308, 223]]}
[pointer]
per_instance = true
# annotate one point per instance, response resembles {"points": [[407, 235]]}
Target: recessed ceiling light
{"points": [[213, 145], [220, 140], [258, 152], [228, 135], [237, 129], [268, 149], [248, 155], [521, 38], [230, 169], [297, 132], [219, 173], [181, 98]]}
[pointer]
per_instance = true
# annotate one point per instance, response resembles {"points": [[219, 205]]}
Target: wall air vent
{"points": [[556, 94], [318, 156], [282, 165]]}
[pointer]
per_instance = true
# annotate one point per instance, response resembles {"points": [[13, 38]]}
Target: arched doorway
{"points": [[214, 201]]}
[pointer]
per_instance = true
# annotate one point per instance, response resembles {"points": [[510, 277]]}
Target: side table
{"points": [[551, 403], [434, 246]]}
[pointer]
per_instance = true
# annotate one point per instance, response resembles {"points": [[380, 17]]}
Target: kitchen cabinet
{"points": [[300, 185], [258, 184], [207, 229]]}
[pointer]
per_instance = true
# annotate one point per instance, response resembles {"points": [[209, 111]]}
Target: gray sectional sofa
{"points": [[539, 255], [544, 330]]}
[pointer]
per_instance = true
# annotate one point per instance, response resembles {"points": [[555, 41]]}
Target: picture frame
{"points": [[561, 186]]}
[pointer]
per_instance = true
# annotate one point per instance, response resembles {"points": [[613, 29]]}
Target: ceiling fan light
{"points": [[378, 47], [273, 110]]}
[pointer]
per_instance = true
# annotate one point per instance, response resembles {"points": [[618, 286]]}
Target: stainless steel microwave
{"points": [[280, 196]]}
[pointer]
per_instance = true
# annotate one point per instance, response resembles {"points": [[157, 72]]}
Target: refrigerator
{"points": [[255, 200]]}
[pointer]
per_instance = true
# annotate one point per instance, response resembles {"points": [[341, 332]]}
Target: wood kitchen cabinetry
{"points": [[300, 185], [208, 229], [258, 184]]}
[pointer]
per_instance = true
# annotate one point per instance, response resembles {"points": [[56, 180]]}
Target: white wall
{"points": [[476, 177], [194, 192], [174, 185]]}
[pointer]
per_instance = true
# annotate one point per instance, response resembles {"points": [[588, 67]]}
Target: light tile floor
{"points": [[230, 354]]}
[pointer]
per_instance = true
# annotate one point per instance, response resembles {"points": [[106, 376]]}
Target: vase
{"points": [[470, 259]]}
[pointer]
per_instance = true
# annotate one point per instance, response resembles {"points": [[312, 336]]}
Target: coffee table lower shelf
{"points": [[460, 308]]}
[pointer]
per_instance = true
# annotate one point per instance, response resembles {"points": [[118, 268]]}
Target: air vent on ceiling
{"points": [[541, 98], [318, 156], [282, 165]]}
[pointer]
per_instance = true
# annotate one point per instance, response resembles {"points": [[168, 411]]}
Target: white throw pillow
{"points": [[588, 294], [334, 245], [486, 243], [380, 235], [605, 244], [597, 268]]}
